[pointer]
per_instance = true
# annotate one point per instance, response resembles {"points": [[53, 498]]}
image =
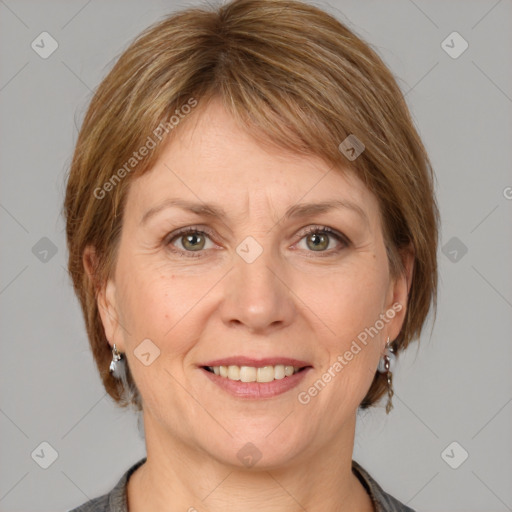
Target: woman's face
{"points": [[253, 286]]}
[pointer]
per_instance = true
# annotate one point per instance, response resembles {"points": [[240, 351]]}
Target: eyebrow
{"points": [[295, 211]]}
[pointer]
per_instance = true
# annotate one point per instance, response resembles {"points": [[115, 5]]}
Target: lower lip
{"points": [[257, 390]]}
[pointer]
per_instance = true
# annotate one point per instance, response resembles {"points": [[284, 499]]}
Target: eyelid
{"points": [[168, 239], [189, 229], [325, 229], [210, 233], [342, 240]]}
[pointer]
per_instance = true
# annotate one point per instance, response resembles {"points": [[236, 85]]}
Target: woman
{"points": [[252, 235]]}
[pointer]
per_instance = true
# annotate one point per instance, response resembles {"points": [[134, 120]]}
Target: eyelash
{"points": [[205, 231]]}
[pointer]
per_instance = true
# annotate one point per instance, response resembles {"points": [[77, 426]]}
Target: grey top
{"points": [[115, 500]]}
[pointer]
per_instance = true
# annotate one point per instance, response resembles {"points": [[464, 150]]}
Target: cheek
{"points": [[155, 308], [350, 299], [350, 308], [152, 302], [160, 305], [156, 305]]}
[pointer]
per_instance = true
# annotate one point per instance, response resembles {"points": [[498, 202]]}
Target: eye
{"points": [[189, 240], [318, 239]]}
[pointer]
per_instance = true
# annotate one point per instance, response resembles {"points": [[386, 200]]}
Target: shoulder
{"points": [[113, 501], [383, 501]]}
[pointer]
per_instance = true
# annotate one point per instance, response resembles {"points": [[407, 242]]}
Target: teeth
{"points": [[234, 372], [252, 374], [247, 374], [289, 370], [265, 374], [279, 371]]}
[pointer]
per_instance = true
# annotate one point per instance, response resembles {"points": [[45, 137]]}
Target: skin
{"points": [[291, 301]]}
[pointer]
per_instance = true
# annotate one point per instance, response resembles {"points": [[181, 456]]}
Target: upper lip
{"points": [[257, 363]]}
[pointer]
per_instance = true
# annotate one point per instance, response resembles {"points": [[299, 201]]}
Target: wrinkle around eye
{"points": [[162, 234]]}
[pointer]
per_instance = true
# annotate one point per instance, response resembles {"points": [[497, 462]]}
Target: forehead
{"points": [[214, 160]]}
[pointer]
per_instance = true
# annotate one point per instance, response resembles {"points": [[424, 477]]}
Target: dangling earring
{"points": [[127, 390], [116, 363], [387, 365]]}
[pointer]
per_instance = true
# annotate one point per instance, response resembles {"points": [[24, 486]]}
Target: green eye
{"points": [[193, 242], [317, 241]]}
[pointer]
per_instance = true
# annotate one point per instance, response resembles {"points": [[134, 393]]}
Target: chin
{"points": [[260, 448]]}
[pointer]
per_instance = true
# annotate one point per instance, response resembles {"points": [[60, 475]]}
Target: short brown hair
{"points": [[291, 74]]}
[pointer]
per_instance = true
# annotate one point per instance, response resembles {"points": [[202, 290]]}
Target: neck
{"points": [[319, 481]]}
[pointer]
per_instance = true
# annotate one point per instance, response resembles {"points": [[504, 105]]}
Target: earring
{"points": [[127, 390], [387, 365], [116, 363]]}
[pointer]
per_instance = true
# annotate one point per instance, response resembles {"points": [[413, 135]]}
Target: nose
{"points": [[257, 295]]}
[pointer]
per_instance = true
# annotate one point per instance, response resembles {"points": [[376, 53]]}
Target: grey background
{"points": [[454, 386]]}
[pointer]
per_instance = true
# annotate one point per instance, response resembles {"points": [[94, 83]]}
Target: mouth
{"points": [[256, 379], [260, 374]]}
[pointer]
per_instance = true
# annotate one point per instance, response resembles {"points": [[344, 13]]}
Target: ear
{"points": [[398, 293], [105, 299]]}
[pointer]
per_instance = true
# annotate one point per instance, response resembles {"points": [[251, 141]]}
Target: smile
{"points": [[256, 383], [254, 374]]}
